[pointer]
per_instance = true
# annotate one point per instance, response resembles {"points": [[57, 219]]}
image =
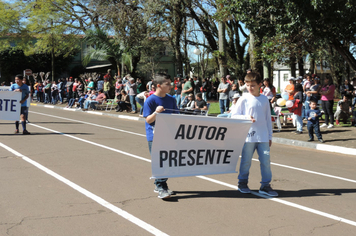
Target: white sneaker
{"points": [[330, 126], [323, 125]]}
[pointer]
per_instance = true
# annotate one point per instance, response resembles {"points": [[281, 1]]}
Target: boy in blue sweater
{"points": [[159, 102], [313, 121]]}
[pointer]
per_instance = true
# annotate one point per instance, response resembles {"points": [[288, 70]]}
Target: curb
{"points": [[291, 142]]}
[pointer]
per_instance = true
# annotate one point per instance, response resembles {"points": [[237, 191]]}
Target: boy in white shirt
{"points": [[255, 106]]}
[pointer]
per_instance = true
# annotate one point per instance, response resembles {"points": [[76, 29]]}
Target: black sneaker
{"points": [[243, 188], [25, 132], [16, 131], [298, 132], [267, 190], [310, 140]]}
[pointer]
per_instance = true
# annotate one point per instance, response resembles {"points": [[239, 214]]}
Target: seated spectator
{"points": [[82, 99], [234, 102], [124, 103], [90, 98], [189, 105], [232, 92], [343, 110], [200, 104], [98, 100]]}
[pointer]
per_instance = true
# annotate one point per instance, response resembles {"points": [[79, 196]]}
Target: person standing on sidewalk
{"points": [[132, 88], [327, 101], [223, 90], [19, 86]]}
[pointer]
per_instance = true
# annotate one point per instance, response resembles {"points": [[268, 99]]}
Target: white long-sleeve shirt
{"points": [[259, 109]]}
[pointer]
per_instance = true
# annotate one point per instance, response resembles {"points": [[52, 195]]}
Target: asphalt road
{"points": [[83, 174]]}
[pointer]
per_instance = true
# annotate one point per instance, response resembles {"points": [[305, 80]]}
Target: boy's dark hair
{"points": [[100, 90], [160, 78], [199, 95], [19, 76], [313, 101], [298, 88], [253, 77]]}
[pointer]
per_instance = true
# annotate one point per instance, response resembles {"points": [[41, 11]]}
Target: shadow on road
{"points": [[237, 194]]}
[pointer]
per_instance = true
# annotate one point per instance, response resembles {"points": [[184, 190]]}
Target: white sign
{"points": [[10, 106], [186, 145], [4, 88]]}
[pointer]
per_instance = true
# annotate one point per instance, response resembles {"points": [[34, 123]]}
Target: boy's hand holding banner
{"points": [[195, 145]]}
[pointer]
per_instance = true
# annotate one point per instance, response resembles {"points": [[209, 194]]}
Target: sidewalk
{"points": [[338, 139]]}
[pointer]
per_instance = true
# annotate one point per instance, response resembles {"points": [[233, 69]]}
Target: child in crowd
{"points": [[313, 115], [256, 107], [159, 102]]}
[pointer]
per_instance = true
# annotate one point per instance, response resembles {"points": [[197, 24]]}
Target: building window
{"points": [[285, 77]]}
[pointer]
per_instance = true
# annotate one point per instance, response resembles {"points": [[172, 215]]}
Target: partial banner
{"points": [[10, 106], [186, 145]]}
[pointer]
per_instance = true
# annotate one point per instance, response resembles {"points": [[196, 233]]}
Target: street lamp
{"points": [[197, 52]]}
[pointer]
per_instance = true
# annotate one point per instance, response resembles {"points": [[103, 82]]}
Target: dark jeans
{"points": [[160, 183], [224, 105], [121, 106], [141, 102], [316, 129], [328, 111]]}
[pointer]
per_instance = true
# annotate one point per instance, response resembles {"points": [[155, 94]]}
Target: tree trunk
{"points": [[266, 69], [345, 53], [52, 63], [301, 66], [293, 67], [222, 49], [312, 65]]}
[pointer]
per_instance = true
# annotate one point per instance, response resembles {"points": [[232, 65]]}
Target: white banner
{"points": [[7, 88], [10, 106], [4, 88], [186, 145]]}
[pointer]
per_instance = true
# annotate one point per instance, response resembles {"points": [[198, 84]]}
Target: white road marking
{"points": [[272, 163], [90, 195], [327, 215], [84, 122]]}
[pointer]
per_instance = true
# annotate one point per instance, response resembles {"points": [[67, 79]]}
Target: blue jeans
{"points": [[178, 99], [141, 102], [133, 103], [158, 182], [316, 129], [71, 102], [81, 101], [263, 151], [46, 97], [299, 121], [224, 105]]}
